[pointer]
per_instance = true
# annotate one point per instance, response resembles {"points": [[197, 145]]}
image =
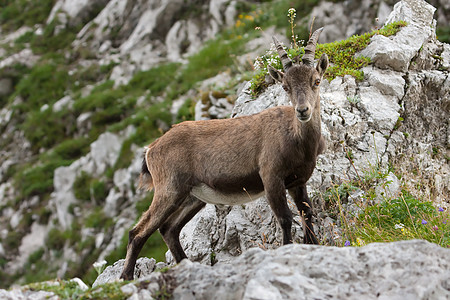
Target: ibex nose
{"points": [[302, 111]]}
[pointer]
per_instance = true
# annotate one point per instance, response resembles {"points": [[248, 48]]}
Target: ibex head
{"points": [[301, 81]]}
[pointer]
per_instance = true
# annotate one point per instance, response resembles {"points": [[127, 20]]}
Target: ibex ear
{"points": [[277, 75], [322, 64]]}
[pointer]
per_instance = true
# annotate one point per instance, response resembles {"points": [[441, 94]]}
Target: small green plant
{"points": [[71, 290], [81, 186], [99, 266], [392, 219], [162, 294], [354, 100], [97, 219]]}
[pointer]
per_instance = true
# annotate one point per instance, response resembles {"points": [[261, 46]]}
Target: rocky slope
{"points": [[394, 117], [408, 269], [402, 270], [84, 89]]}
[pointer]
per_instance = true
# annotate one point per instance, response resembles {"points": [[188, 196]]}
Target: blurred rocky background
{"points": [[84, 85]]}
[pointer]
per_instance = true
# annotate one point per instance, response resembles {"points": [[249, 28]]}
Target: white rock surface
{"points": [[144, 267], [402, 270], [396, 52]]}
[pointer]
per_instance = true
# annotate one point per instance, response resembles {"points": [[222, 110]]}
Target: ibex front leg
{"points": [[300, 196], [276, 196]]}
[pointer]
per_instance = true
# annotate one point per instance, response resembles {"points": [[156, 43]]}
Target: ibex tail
{"points": [[145, 179]]}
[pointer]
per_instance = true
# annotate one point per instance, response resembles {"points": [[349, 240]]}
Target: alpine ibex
{"points": [[234, 161]]}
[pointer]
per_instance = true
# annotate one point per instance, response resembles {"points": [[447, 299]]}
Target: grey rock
{"points": [[397, 52], [24, 57], [363, 117], [22, 295], [382, 110], [83, 122], [74, 12], [386, 81], [152, 32], [105, 151], [412, 269], [446, 57], [129, 289], [80, 283], [144, 267], [6, 86], [5, 116], [389, 189], [64, 102], [247, 105], [30, 242]]}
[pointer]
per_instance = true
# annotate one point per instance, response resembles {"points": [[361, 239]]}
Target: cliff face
{"points": [[395, 116], [85, 88]]}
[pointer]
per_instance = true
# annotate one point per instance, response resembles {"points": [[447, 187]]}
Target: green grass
{"points": [[391, 219], [37, 180], [443, 33], [70, 290], [45, 84], [17, 13], [215, 56], [87, 188], [15, 74]]}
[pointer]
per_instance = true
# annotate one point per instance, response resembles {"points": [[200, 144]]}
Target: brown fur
{"points": [[271, 151]]}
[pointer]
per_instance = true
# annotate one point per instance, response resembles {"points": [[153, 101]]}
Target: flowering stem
{"points": [[292, 15], [409, 213]]}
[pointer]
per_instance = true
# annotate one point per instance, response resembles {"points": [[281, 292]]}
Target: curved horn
{"points": [[310, 49], [285, 60]]}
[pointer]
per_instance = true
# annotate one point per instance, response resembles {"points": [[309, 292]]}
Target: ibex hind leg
{"points": [[171, 228], [162, 207], [301, 199]]}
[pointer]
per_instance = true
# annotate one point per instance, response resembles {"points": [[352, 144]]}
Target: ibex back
{"points": [[236, 160]]}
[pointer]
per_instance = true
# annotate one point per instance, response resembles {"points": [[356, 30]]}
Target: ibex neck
{"points": [[310, 129]]}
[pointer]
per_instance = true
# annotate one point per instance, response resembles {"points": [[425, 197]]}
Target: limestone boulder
{"points": [[396, 52], [401, 270]]}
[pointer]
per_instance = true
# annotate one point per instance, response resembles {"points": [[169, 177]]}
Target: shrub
{"points": [[55, 239], [98, 219], [46, 134], [71, 149], [81, 187], [186, 111]]}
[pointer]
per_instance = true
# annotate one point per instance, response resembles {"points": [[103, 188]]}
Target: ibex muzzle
{"points": [[233, 161]]}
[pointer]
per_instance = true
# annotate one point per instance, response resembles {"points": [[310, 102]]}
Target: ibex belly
{"points": [[211, 196]]}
